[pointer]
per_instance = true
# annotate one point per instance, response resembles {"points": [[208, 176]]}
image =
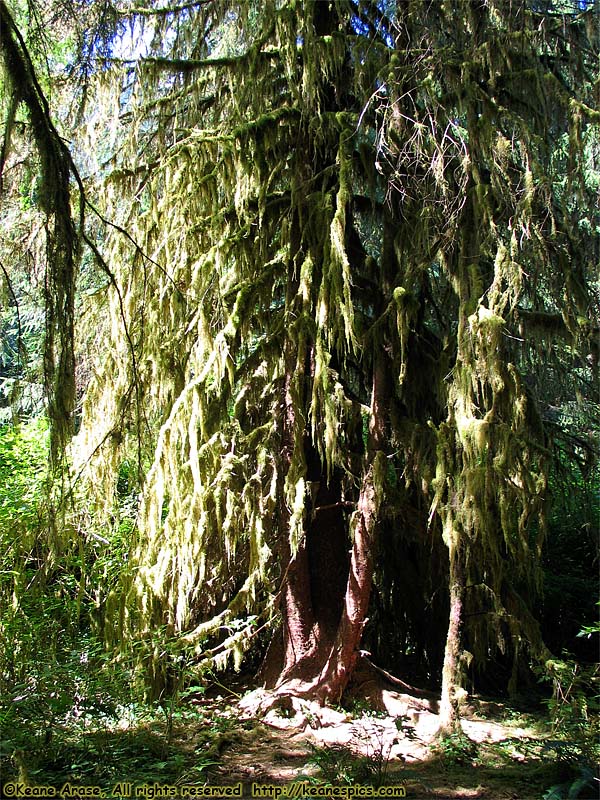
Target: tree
{"points": [[338, 231], [22, 86]]}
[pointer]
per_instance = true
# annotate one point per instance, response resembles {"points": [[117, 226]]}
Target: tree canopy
{"points": [[329, 270]]}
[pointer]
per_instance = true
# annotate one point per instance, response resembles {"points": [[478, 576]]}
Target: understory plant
{"points": [[456, 749], [575, 742], [366, 757]]}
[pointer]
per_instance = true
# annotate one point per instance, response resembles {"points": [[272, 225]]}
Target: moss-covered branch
{"points": [[63, 236]]}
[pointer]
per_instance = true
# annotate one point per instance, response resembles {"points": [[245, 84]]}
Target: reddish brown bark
{"points": [[313, 591], [324, 615], [344, 650], [299, 625]]}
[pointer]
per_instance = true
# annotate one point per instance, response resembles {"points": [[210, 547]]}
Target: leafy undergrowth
{"points": [[517, 768], [525, 764], [205, 739], [139, 744]]}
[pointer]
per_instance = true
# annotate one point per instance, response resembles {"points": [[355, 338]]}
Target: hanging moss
{"points": [[62, 231], [308, 210]]}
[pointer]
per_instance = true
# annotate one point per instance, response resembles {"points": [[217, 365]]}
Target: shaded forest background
{"points": [[300, 341]]}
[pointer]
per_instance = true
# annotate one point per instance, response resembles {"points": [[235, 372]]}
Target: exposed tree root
{"points": [[296, 704], [393, 680]]}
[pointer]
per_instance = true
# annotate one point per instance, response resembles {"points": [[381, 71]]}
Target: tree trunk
{"points": [[452, 690], [344, 650], [325, 596]]}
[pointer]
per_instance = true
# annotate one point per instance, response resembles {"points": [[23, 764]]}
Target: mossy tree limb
{"points": [[315, 208]]}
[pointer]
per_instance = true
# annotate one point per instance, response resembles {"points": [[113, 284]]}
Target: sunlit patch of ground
{"points": [[495, 759], [218, 739]]}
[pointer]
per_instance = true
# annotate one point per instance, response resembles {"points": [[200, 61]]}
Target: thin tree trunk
{"points": [[452, 672]]}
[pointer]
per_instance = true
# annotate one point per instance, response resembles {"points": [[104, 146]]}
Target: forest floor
{"points": [[224, 736], [501, 754]]}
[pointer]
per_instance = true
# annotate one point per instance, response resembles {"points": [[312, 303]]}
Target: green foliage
{"points": [[574, 708], [336, 763], [22, 329], [570, 562], [456, 749], [67, 680], [277, 147], [427, 222], [23, 462], [574, 712], [71, 709], [583, 785], [343, 765], [365, 759], [108, 742], [590, 630], [62, 695], [361, 707]]}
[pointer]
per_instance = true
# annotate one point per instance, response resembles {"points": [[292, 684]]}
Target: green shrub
{"points": [[456, 749], [574, 713]]}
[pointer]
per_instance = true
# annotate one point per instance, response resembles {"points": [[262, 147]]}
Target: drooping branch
{"points": [[300, 217], [165, 11], [63, 237]]}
